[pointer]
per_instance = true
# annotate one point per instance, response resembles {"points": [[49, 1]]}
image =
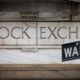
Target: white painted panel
{"points": [[44, 56], [40, 56], [7, 27], [62, 32], [46, 39], [31, 33], [39, 33], [74, 32]]}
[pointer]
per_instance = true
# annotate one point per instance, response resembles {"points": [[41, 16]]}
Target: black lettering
{"points": [[7, 34], [62, 37], [52, 33], [25, 32], [42, 32], [73, 32], [12, 33]]}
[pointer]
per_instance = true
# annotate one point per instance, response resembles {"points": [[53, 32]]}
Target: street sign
{"points": [[71, 51]]}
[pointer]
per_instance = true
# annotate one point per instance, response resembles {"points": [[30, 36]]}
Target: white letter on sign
{"points": [[68, 52], [75, 52]]}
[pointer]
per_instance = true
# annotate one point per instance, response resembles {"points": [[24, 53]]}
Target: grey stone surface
{"points": [[48, 10]]}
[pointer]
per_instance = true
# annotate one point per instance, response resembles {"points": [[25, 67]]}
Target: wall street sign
{"points": [[70, 51], [21, 34]]}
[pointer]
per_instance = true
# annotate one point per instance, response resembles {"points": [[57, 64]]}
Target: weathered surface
{"points": [[38, 33], [40, 71], [48, 10]]}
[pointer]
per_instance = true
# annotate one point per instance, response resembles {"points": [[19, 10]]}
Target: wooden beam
{"points": [[41, 67], [43, 71]]}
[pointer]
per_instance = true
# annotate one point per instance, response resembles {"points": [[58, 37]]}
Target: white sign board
{"points": [[38, 33], [16, 33]]}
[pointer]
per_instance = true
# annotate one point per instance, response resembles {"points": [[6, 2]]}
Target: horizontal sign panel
{"points": [[38, 33], [71, 51], [17, 33], [58, 33]]}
